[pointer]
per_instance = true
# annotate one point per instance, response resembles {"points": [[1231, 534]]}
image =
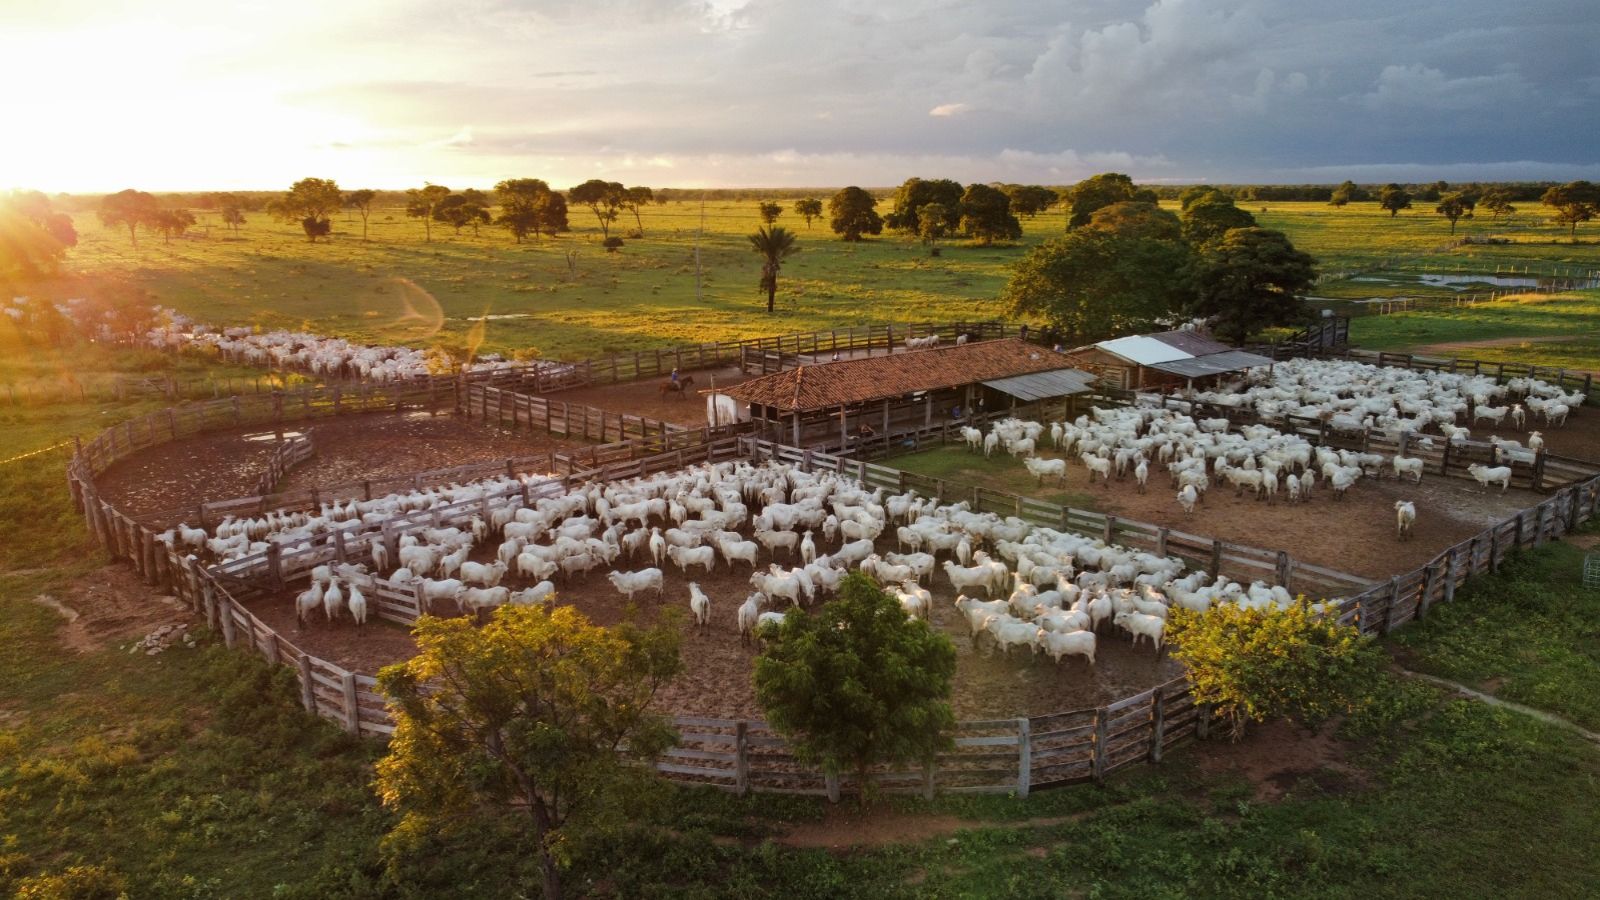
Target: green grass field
{"points": [[1000, 473], [397, 288], [1561, 330]]}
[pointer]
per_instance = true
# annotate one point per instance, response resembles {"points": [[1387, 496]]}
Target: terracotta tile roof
{"points": [[881, 377]]}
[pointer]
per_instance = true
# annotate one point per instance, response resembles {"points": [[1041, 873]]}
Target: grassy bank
{"points": [[1561, 330]]}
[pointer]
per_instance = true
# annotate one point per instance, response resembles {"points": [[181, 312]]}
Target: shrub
{"points": [[1251, 665], [73, 883]]}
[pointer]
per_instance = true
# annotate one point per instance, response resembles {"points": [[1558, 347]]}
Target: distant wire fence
{"points": [[69, 388], [32, 453]]}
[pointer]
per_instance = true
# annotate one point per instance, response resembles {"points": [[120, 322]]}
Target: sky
{"points": [[102, 95]]}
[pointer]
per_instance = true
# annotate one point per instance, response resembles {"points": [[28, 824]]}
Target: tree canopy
{"points": [[529, 206], [423, 202], [1208, 217], [1251, 665], [361, 202], [1137, 219], [857, 683], [775, 245], [1030, 199], [915, 193], [853, 213], [129, 208], [539, 713], [470, 207], [1455, 206], [1573, 204], [1393, 198], [769, 210], [1250, 279], [635, 197], [34, 237], [1498, 202], [171, 223], [986, 215], [935, 223], [1101, 282], [808, 209], [1346, 193], [1193, 192], [604, 198], [1099, 191], [311, 202]]}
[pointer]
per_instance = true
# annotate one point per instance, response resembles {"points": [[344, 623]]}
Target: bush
{"points": [[612, 244], [73, 883], [1251, 665]]}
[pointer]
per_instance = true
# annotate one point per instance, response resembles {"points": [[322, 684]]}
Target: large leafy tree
{"points": [[171, 223], [858, 683], [769, 211], [1251, 279], [361, 202], [1029, 199], [808, 209], [1209, 216], [1455, 206], [1251, 665], [775, 244], [529, 206], [1393, 198], [33, 236], [539, 713], [1573, 204], [1346, 193], [1096, 283], [1100, 191], [230, 208], [131, 209], [470, 207], [853, 213], [604, 198], [423, 202], [986, 215], [1193, 192], [311, 202], [915, 193], [1137, 219], [935, 224], [635, 197]]}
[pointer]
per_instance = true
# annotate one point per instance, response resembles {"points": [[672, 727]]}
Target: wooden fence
{"points": [[284, 457], [1501, 372], [1001, 755], [518, 411]]}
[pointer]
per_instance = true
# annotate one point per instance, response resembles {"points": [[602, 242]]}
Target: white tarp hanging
{"points": [[722, 410]]}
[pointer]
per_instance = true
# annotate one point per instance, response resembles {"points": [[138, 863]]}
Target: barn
{"points": [[832, 404], [1165, 361]]}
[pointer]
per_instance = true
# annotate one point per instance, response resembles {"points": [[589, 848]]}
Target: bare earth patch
{"points": [[1276, 757], [108, 606]]}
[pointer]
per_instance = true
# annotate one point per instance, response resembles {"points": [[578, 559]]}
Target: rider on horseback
{"points": [[674, 378]]}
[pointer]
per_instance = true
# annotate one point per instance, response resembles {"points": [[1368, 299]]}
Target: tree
{"points": [[529, 206], [34, 238], [769, 211], [935, 224], [1135, 219], [775, 245], [1251, 665], [1251, 279], [986, 215], [171, 223], [915, 193], [1453, 207], [605, 198], [1100, 191], [858, 683], [1574, 203], [1498, 202], [1211, 216], [539, 713], [361, 202], [632, 199], [311, 202], [1029, 199], [131, 208], [230, 208], [1346, 193], [852, 214], [1099, 282], [470, 207], [423, 202], [1192, 193], [808, 209], [1394, 198]]}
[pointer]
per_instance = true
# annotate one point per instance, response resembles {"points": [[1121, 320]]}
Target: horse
{"points": [[680, 387]]}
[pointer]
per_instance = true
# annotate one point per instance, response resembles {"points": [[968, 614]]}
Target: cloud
{"points": [[1418, 86], [949, 109]]}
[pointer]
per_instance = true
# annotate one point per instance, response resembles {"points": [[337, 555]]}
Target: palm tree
{"points": [[774, 245]]}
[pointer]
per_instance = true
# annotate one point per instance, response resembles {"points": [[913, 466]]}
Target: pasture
{"points": [[1561, 330]]}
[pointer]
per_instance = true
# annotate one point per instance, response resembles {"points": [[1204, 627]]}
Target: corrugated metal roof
{"points": [[1044, 385], [1214, 364], [1191, 342], [1143, 350], [880, 377]]}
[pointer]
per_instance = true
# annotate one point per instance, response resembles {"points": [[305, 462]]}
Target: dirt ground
{"points": [[644, 398], [1277, 756], [1579, 438], [163, 485], [716, 678], [110, 605]]}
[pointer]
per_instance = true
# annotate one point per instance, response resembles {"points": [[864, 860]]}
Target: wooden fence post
{"points": [[831, 781], [1494, 550], [275, 564], [1158, 721], [1161, 541], [1450, 575], [741, 758], [1394, 600], [1539, 525], [225, 613], [1098, 766], [352, 709], [1430, 574], [1111, 529], [1024, 757], [1202, 723], [1216, 558], [1283, 568]]}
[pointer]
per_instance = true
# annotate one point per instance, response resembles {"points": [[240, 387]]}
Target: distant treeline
{"points": [[1529, 191]]}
